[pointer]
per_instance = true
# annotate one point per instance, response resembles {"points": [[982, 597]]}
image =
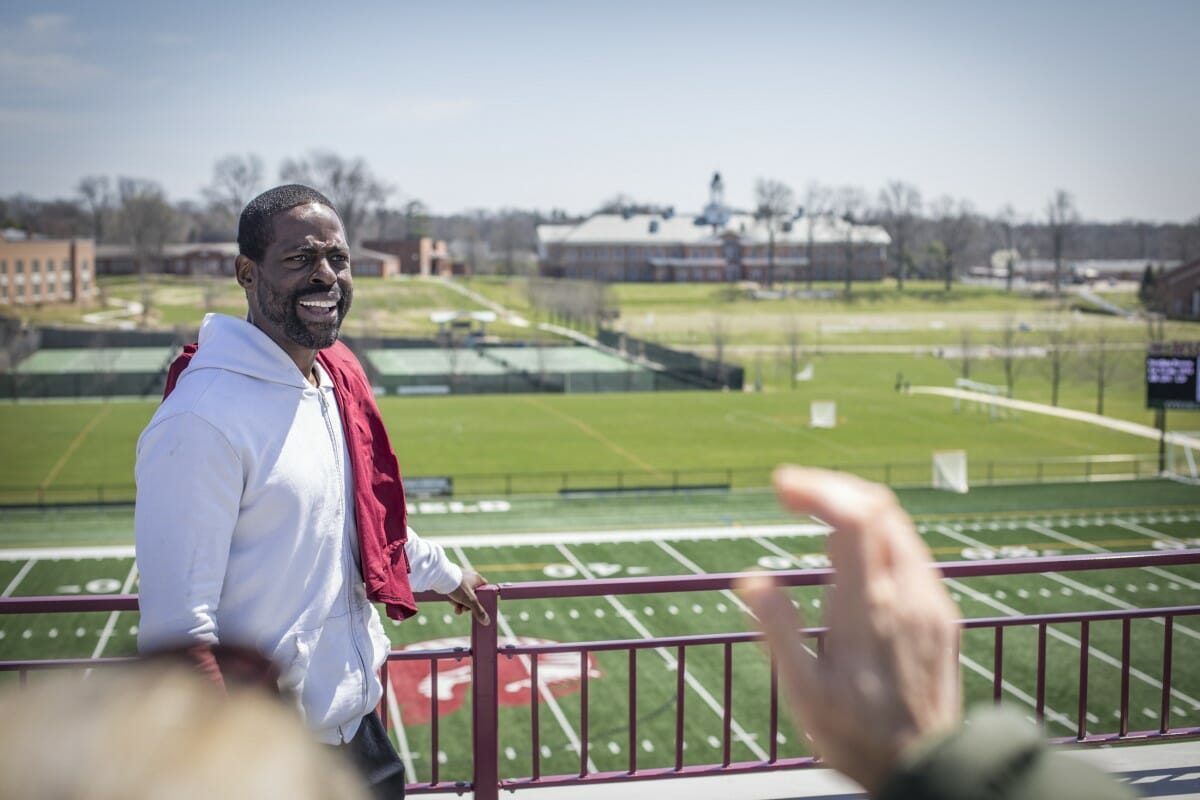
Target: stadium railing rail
{"points": [[898, 474], [487, 651]]}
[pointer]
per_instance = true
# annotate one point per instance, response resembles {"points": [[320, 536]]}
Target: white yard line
{"points": [[402, 735], [1092, 591], [697, 570], [109, 626], [20, 576], [1016, 692], [543, 688], [739, 732], [1129, 525], [1095, 652]]}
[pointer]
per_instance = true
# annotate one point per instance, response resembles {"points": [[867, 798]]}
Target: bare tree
{"points": [[899, 207], [773, 207], [1006, 223], [416, 221], [965, 353], [510, 241], [1101, 364], [1011, 352], [235, 181], [1061, 219], [794, 338], [1060, 336], [96, 191], [954, 226], [817, 203], [850, 203], [348, 182], [720, 337], [146, 221]]}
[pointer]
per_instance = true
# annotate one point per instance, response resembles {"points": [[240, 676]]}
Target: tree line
{"points": [[931, 239], [938, 239]]}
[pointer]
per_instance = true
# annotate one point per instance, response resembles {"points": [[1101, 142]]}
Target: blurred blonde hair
{"points": [[155, 731]]}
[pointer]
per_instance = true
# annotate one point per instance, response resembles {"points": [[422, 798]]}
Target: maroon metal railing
{"points": [[485, 654]]}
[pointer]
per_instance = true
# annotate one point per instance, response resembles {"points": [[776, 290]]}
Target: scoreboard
{"points": [[1171, 370]]}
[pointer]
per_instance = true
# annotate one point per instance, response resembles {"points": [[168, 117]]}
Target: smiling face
{"points": [[300, 291]]}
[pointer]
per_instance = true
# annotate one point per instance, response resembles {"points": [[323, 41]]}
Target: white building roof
{"points": [[648, 229]]}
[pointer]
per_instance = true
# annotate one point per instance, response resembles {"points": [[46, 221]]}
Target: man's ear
{"points": [[243, 268]]}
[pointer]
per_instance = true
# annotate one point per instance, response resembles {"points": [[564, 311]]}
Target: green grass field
{"points": [[645, 436], [996, 523]]}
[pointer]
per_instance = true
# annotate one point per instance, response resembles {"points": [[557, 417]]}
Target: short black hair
{"points": [[254, 226]]}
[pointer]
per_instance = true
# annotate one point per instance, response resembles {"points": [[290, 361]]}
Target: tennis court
{"points": [[504, 369], [88, 372]]}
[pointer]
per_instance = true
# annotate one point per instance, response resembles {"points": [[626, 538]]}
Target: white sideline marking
{"points": [[491, 539], [50, 553], [1096, 593], [690, 679], [20, 576], [620, 536], [543, 688], [107, 633]]}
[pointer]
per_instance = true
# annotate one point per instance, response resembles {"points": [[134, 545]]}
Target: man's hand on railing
{"points": [[888, 674], [463, 598]]}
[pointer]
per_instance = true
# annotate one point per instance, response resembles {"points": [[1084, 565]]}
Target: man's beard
{"points": [[280, 309]]}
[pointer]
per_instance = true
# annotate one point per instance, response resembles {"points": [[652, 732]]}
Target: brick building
{"points": [[422, 256], [665, 247], [207, 258], [36, 270], [1179, 291], [218, 258]]}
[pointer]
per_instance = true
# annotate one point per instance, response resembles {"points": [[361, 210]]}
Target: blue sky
{"points": [[563, 105]]}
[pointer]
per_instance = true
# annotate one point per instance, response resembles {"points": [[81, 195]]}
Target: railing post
{"points": [[485, 717]]}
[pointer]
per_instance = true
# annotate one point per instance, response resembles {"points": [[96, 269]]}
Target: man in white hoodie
{"points": [[253, 495]]}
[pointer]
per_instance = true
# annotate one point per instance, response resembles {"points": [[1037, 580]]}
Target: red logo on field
{"points": [[412, 684]]}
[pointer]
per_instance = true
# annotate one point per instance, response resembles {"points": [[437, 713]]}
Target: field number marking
{"points": [[985, 553], [600, 569], [97, 586], [807, 561]]}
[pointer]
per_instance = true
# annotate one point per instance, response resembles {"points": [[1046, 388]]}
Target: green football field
{"points": [[707, 534]]}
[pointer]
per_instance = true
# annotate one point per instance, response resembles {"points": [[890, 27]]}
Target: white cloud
{"points": [[47, 23], [40, 55], [47, 71]]}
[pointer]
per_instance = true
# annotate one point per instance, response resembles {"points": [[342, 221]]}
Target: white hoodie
{"points": [[245, 528]]}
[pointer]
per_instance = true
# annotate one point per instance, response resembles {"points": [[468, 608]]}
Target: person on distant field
{"points": [[156, 731], [270, 509], [882, 702]]}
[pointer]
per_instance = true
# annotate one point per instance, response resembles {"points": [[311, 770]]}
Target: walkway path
{"points": [[1124, 426]]}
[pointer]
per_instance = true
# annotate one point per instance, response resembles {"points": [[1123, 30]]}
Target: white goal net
{"points": [[822, 414], [1183, 456], [950, 471]]}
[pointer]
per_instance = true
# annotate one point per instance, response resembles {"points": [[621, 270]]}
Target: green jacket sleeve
{"points": [[997, 755]]}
